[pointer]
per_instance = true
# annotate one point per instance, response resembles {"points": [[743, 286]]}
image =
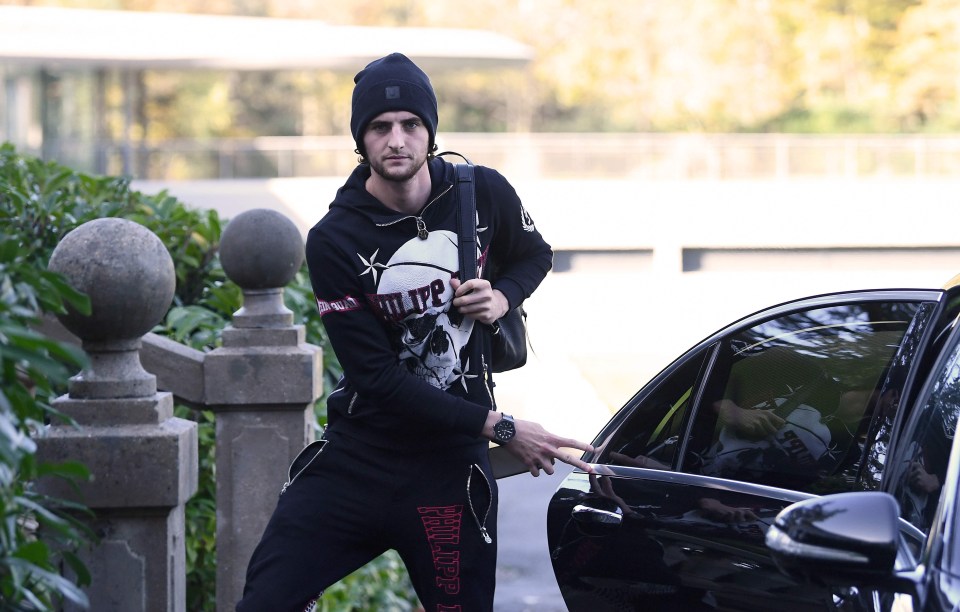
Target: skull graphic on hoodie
{"points": [[414, 291]]}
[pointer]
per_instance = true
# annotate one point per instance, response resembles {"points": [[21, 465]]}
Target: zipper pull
{"points": [[486, 536], [488, 383], [421, 229]]}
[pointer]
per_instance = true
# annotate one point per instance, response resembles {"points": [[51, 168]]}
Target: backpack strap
{"points": [[466, 221]]}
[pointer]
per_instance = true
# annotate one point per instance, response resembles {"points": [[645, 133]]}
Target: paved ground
{"points": [[525, 581]]}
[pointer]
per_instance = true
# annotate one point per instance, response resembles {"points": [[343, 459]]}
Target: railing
{"points": [[582, 156], [262, 384]]}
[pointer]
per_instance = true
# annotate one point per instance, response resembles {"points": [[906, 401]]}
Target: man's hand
{"points": [[538, 448], [478, 300], [639, 461], [714, 510], [751, 424], [921, 479]]}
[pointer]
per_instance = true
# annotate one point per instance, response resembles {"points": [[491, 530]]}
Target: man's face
{"points": [[396, 143]]}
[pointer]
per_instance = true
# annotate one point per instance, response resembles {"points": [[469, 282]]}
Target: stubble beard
{"points": [[399, 175]]}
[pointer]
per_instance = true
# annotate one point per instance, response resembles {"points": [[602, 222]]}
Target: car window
{"points": [[650, 436], [889, 402], [789, 402], [922, 464]]}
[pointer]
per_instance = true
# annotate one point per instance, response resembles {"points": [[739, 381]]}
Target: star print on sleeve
{"points": [[372, 265]]}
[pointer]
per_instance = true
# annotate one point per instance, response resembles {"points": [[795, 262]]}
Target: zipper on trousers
{"points": [[482, 525], [302, 461]]}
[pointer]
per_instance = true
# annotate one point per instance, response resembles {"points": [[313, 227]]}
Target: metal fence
{"points": [[548, 156]]}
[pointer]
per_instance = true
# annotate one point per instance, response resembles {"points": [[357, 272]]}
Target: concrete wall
{"points": [[676, 226]]}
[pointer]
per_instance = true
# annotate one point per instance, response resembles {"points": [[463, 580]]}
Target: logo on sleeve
{"points": [[345, 304], [526, 220]]}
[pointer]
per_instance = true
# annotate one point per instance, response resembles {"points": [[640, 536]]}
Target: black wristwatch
{"points": [[504, 429]]}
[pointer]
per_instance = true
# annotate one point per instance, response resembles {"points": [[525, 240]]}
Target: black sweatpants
{"points": [[354, 501]]}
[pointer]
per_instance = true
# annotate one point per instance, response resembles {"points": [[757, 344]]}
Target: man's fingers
{"points": [[463, 289], [570, 459], [774, 419], [564, 456], [546, 466], [539, 449], [583, 465], [571, 443], [768, 423]]}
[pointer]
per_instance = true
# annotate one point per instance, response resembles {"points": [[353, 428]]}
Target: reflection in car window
{"points": [[877, 440], [920, 475], [649, 438], [789, 402]]}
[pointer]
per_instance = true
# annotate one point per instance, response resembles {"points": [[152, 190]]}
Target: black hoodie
{"points": [[416, 375]]}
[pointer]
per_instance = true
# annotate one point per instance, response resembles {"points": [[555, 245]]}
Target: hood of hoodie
{"points": [[354, 196]]}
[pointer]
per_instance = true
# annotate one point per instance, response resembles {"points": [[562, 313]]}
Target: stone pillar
{"points": [[142, 459], [262, 384]]}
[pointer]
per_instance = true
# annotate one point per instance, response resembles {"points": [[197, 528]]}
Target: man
{"points": [[404, 464]]}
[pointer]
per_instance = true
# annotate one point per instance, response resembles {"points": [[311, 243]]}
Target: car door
{"points": [[921, 480], [922, 475], [786, 404]]}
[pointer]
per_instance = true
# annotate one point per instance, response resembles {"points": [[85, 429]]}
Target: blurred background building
{"points": [[689, 162]]}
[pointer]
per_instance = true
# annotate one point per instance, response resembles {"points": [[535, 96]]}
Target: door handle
{"points": [[596, 516]]}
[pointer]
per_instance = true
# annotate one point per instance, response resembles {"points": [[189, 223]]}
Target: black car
{"points": [[796, 460]]}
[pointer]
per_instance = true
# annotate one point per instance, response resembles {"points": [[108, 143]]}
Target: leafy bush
{"points": [[44, 201], [37, 533]]}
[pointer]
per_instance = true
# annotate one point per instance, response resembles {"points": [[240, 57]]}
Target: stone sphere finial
{"points": [[127, 272], [129, 276], [261, 249]]}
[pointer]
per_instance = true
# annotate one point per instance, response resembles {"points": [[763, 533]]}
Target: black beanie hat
{"points": [[392, 83]]}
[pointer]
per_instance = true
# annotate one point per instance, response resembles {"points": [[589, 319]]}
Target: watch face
{"points": [[504, 429]]}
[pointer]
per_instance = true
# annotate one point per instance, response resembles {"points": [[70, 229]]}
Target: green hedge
{"points": [[38, 534], [40, 202]]}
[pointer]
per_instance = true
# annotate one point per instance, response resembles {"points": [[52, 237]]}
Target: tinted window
{"points": [[789, 402], [922, 464], [888, 401], [649, 437]]}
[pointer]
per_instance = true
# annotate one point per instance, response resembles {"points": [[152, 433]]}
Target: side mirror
{"points": [[843, 539]]}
